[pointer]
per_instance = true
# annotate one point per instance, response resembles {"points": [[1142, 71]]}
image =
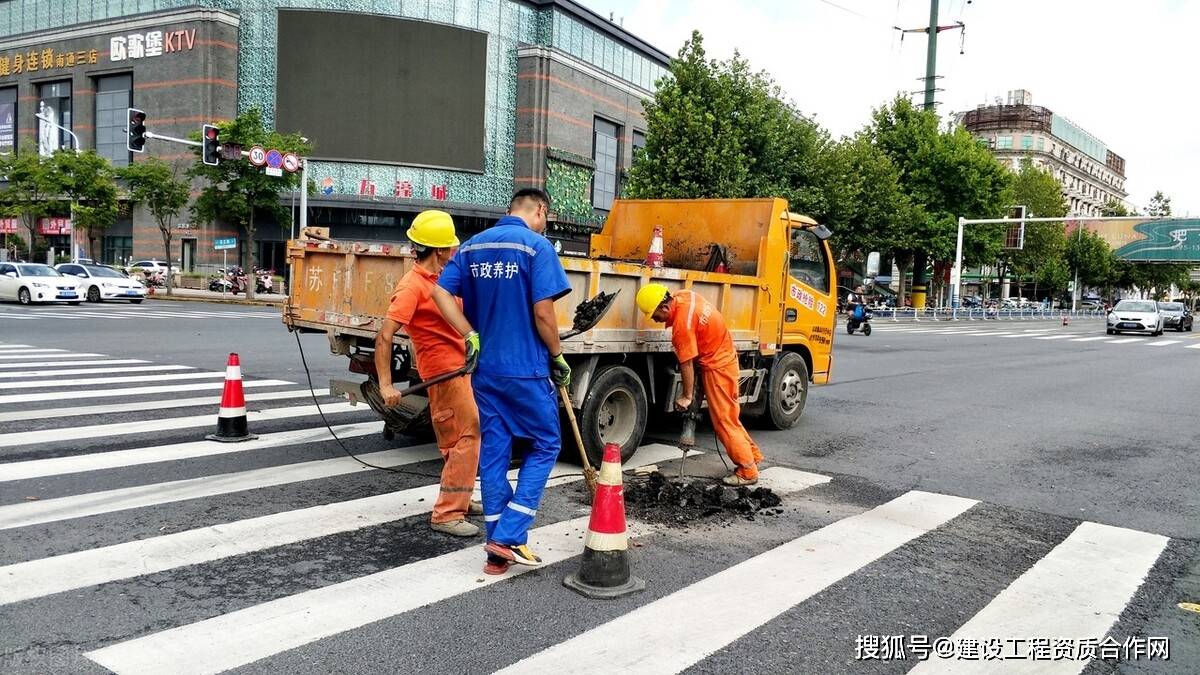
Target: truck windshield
{"points": [[808, 262]]}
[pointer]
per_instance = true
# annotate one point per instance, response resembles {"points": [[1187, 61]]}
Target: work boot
{"points": [[457, 528], [475, 508], [735, 480], [495, 565], [518, 553]]}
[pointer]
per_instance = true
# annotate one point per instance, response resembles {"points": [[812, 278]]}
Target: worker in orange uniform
{"points": [[439, 349], [698, 333]]}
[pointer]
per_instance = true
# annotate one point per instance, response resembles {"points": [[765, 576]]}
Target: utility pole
{"points": [[931, 54]]}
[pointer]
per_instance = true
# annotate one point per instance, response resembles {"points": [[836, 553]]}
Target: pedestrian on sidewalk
{"points": [[508, 277], [438, 349], [698, 334]]}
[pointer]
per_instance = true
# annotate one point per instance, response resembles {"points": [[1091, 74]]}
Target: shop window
{"points": [[112, 100], [638, 141], [117, 250], [54, 107], [8, 120], [604, 152]]}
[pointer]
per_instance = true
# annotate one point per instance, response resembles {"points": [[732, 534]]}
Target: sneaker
{"points": [[496, 565], [519, 554], [457, 528], [475, 508], [735, 480]]}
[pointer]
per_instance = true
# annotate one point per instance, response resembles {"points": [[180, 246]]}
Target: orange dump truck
{"points": [[776, 289]]}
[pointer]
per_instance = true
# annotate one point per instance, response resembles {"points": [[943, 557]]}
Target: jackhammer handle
{"points": [[421, 386]]}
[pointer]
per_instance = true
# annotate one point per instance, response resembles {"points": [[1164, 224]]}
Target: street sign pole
{"points": [[303, 193], [224, 266]]}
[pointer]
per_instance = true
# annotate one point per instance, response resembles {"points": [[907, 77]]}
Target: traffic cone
{"points": [[231, 420], [604, 571], [654, 258], [1066, 322]]}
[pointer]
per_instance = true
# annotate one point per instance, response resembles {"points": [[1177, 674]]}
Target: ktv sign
{"points": [[152, 43]]}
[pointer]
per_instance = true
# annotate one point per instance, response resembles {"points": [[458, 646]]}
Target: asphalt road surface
{"points": [[1007, 494]]}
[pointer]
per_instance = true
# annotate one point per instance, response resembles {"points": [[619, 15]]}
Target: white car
{"points": [[28, 283], [101, 283], [147, 267], [1135, 315]]}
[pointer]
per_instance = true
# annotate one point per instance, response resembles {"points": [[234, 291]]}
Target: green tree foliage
{"points": [[241, 194], [32, 190], [1045, 243], [864, 203], [1159, 206], [715, 129], [89, 181], [1113, 208], [156, 185], [1090, 254]]}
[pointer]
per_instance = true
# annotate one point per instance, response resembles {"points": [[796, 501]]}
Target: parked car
{"points": [[29, 282], [1091, 304], [148, 267], [101, 283], [1135, 315], [1175, 315]]}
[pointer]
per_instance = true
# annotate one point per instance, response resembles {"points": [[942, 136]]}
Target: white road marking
{"points": [[1127, 341], [1079, 588], [108, 431], [1056, 337], [6, 347], [70, 364], [16, 353], [1192, 347], [1162, 343], [135, 406], [1091, 339], [89, 371], [26, 357], [664, 636], [71, 395], [92, 381], [37, 578]]}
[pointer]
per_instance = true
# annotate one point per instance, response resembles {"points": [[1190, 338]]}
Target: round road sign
{"points": [[258, 155], [291, 162], [274, 159]]}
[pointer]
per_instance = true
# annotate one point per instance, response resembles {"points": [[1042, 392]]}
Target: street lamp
{"points": [[74, 146]]}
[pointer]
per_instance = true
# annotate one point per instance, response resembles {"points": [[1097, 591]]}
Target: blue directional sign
{"points": [[224, 244]]}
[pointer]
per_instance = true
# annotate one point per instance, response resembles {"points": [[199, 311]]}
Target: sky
{"points": [[1124, 71]]}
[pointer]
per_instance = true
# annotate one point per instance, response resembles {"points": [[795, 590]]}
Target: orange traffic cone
{"points": [[654, 258], [231, 420], [604, 570], [1066, 322]]}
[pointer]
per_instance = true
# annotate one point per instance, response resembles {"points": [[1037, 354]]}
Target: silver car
{"points": [[1137, 316]]}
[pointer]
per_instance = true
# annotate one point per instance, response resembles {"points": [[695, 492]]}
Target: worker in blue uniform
{"points": [[508, 278]]}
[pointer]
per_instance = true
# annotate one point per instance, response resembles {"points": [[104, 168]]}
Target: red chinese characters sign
{"points": [[404, 189], [438, 192], [54, 226], [8, 225]]}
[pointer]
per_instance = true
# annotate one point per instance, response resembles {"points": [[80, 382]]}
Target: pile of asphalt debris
{"points": [[587, 311], [661, 499]]}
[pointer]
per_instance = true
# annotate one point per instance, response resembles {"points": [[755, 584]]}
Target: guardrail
{"points": [[982, 314]]}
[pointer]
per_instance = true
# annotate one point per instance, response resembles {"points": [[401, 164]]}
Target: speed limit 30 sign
{"points": [[258, 155]]}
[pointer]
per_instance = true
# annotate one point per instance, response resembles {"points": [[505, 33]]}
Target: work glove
{"points": [[560, 371], [472, 343]]}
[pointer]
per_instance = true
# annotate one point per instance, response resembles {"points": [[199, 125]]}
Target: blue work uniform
{"points": [[500, 274]]}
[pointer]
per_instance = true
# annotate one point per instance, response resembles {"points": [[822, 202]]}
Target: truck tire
{"points": [[614, 410], [787, 391]]}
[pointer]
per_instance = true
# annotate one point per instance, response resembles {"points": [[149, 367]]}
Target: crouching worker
{"points": [[698, 333], [438, 349]]}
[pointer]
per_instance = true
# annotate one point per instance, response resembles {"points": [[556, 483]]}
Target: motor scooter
{"points": [[859, 319]]}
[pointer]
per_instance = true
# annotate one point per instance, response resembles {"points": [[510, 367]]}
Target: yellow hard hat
{"points": [[434, 229], [650, 296]]}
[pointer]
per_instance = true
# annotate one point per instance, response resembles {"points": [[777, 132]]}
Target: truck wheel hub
{"points": [[617, 417], [791, 391]]}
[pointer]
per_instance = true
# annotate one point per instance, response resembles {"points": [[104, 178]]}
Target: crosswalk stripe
{"points": [[136, 406], [26, 357], [19, 438], [987, 333], [1091, 339], [90, 381], [220, 643], [17, 317], [1162, 343], [121, 499], [71, 364], [1127, 341], [71, 395], [1015, 335], [664, 636], [1079, 589], [1056, 337], [34, 350], [90, 371], [37, 578], [1192, 347], [8, 347], [97, 461]]}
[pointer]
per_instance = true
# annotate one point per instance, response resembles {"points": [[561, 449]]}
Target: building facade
{"points": [[449, 104], [1090, 173]]}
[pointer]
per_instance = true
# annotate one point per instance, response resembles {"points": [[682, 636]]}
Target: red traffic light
{"points": [[210, 132]]}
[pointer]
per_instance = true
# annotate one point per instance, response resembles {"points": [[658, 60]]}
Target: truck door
{"points": [[810, 305]]}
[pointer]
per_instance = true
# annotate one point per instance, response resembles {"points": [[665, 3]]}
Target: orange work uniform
{"points": [[698, 332], [439, 349]]}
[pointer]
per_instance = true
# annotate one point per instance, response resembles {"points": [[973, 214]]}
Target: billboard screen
{"points": [[1138, 239], [381, 89]]}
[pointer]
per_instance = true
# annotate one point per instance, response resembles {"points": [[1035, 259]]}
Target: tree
{"points": [[1159, 206], [1113, 208], [1045, 243], [1089, 254], [239, 193], [32, 190], [89, 181], [864, 203], [157, 185], [718, 130]]}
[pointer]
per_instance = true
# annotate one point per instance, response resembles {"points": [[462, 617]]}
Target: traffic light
{"points": [[209, 137], [137, 130]]}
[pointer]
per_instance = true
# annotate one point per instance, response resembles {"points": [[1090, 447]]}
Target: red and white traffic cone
{"points": [[1066, 322], [231, 420], [654, 257], [604, 570]]}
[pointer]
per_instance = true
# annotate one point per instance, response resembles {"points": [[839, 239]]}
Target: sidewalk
{"points": [[196, 295]]}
